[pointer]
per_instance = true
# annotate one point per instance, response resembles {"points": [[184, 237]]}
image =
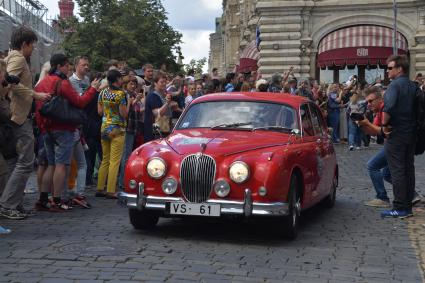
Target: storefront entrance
{"points": [[358, 50]]}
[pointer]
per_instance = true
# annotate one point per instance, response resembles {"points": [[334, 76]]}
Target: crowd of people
{"points": [[125, 109]]}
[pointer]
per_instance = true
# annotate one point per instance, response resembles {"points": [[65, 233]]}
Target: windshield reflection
{"points": [[241, 114]]}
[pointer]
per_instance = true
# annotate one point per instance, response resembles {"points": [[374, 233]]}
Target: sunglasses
{"points": [[371, 100]]}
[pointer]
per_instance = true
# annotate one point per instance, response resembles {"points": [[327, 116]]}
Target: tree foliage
{"points": [[132, 30], [196, 65]]}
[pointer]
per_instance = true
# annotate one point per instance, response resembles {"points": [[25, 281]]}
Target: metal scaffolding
{"points": [[31, 13]]}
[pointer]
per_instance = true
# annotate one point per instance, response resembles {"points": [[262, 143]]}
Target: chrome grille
{"points": [[197, 174]]}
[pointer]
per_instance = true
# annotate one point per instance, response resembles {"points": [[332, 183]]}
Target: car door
{"points": [[308, 157], [322, 149]]}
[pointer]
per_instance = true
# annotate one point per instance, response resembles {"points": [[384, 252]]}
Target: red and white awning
{"points": [[249, 58], [359, 45]]}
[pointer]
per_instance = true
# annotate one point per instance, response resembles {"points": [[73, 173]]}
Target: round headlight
{"points": [[132, 184], [222, 188], [156, 168], [169, 186], [239, 172]]}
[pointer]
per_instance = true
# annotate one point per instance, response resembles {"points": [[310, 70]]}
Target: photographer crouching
{"points": [[377, 166]]}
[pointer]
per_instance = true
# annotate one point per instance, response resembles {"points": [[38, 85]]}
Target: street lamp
{"points": [[395, 28]]}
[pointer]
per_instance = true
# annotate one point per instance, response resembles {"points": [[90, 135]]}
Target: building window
{"points": [[344, 75], [372, 74], [326, 76]]}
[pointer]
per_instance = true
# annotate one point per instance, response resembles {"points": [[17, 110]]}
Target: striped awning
{"points": [[361, 45], [249, 58]]}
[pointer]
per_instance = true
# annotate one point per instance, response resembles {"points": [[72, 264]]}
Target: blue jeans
{"points": [[354, 134], [128, 149], [333, 120], [378, 170]]}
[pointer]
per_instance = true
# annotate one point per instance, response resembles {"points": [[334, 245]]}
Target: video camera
{"points": [[10, 79], [360, 112]]}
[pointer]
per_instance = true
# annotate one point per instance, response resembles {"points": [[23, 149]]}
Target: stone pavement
{"points": [[349, 243]]}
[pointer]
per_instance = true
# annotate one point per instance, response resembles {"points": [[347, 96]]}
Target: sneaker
{"points": [[80, 201], [397, 213], [100, 194], [351, 147], [62, 207], [28, 212], [42, 206], [4, 231], [378, 203], [358, 148], [12, 214], [111, 196], [417, 199]]}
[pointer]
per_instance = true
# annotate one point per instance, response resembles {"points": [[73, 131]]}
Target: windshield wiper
{"points": [[232, 125], [273, 128]]}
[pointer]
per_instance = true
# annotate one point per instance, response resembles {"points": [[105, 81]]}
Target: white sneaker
{"points": [[358, 148], [417, 199], [351, 148]]}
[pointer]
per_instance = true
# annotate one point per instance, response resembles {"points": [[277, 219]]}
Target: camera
{"points": [[355, 116], [10, 79]]}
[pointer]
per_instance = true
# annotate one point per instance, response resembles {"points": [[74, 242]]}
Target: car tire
{"points": [[329, 201], [142, 220], [291, 222]]}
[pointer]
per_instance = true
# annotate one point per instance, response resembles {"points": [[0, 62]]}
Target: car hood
{"points": [[223, 142]]}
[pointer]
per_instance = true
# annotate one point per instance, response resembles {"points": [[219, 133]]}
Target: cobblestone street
{"points": [[349, 243]]}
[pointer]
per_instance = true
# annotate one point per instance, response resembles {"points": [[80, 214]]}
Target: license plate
{"points": [[198, 209]]}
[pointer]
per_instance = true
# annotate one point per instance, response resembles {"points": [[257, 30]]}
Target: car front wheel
{"points": [[329, 201], [142, 220], [291, 222]]}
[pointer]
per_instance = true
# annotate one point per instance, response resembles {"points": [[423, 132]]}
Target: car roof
{"points": [[286, 98]]}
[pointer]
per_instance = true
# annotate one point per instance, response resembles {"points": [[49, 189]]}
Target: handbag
{"points": [[163, 123], [58, 108]]}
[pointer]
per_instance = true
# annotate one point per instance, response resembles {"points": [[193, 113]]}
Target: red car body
{"points": [[288, 169]]}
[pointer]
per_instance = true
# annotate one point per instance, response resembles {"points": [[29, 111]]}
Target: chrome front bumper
{"points": [[246, 207]]}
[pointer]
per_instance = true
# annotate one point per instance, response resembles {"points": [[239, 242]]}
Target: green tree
{"points": [[196, 65], [132, 30]]}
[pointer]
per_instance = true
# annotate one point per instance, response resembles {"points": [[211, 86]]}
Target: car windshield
{"points": [[248, 115]]}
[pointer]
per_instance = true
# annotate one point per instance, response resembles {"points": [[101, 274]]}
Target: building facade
{"points": [[325, 39]]}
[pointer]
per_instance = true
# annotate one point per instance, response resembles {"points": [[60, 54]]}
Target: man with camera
{"points": [[21, 97], [377, 166]]}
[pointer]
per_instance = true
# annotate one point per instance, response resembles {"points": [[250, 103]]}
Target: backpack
{"points": [[420, 121]]}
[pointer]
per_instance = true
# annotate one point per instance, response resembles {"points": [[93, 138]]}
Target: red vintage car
{"points": [[245, 154]]}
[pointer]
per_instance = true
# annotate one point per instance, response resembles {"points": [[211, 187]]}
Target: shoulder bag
{"points": [[58, 108]]}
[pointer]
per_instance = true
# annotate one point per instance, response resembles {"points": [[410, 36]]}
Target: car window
{"points": [[315, 119], [307, 125], [254, 114]]}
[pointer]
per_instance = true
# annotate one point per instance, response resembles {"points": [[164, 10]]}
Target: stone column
{"points": [[417, 53], [281, 26]]}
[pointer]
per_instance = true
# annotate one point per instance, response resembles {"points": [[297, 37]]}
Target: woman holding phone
{"points": [[134, 128]]}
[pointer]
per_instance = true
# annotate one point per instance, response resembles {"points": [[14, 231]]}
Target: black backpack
{"points": [[420, 121]]}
